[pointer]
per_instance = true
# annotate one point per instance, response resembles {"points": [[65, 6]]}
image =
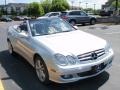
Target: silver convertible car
{"points": [[58, 51]]}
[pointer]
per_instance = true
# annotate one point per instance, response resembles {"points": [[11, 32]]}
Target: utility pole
{"points": [[116, 6], [72, 4], [116, 12], [86, 5], [79, 5], [5, 8], [94, 8]]}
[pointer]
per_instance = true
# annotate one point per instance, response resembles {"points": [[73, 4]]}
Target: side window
{"points": [[54, 14], [22, 28], [74, 13], [83, 14]]}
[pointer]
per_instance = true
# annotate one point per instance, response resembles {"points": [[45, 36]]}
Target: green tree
{"points": [[89, 10], [114, 4], [3, 12], [0, 13], [60, 5], [25, 12], [47, 4], [35, 9], [57, 7], [97, 12], [109, 2], [65, 4], [13, 12]]}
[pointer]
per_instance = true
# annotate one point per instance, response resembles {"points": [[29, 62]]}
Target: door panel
{"points": [[84, 17], [25, 48], [23, 43]]}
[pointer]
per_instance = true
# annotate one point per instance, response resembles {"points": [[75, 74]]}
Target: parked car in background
{"points": [[58, 51], [78, 17], [26, 17], [90, 13], [18, 18], [6, 19], [106, 13], [52, 14]]}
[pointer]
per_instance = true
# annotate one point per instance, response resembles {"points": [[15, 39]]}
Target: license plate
{"points": [[97, 68]]}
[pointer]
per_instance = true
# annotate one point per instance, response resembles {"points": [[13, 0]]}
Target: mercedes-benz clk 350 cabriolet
{"points": [[58, 51]]}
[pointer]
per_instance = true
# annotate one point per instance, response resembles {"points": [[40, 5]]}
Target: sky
{"points": [[75, 2]]}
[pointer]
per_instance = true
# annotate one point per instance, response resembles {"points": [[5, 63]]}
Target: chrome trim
{"points": [[89, 56]]}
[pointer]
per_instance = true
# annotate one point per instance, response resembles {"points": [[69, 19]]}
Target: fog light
{"points": [[67, 76]]}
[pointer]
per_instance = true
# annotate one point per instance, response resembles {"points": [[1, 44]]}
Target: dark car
{"points": [[106, 13], [78, 17], [18, 18], [6, 19]]}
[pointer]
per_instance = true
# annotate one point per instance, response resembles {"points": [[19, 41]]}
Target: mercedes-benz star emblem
{"points": [[94, 56]]}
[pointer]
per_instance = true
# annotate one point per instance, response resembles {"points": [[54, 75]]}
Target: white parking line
{"points": [[1, 85], [113, 33]]}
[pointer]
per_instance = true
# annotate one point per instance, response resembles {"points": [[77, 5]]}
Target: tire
{"points": [[41, 70], [10, 48], [92, 22], [73, 22], [83, 24]]}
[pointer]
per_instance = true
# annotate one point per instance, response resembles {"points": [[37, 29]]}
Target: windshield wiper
{"points": [[61, 32], [54, 33], [67, 31], [42, 35]]}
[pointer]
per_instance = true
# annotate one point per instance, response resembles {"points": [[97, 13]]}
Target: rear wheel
{"points": [[83, 24], [72, 22], [41, 70], [10, 48], [92, 22]]}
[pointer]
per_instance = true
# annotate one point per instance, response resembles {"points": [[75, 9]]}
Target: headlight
{"points": [[65, 60], [107, 48], [61, 60], [71, 59]]}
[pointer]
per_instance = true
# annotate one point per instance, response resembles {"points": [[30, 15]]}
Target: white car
{"points": [[50, 14], [58, 51]]}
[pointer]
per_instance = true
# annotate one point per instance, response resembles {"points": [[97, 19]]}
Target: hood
{"points": [[74, 42]]}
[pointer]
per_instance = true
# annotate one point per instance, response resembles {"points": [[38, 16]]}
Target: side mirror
{"points": [[23, 34], [76, 27], [18, 29]]}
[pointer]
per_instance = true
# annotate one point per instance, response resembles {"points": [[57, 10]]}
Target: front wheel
{"points": [[41, 70]]}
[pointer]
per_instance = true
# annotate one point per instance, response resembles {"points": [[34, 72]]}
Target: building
{"points": [[75, 8], [16, 7], [107, 7]]}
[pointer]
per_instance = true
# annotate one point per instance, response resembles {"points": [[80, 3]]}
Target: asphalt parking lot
{"points": [[17, 74]]}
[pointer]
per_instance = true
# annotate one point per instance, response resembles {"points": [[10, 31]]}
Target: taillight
{"points": [[64, 17]]}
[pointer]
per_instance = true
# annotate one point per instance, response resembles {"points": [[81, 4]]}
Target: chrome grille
{"points": [[89, 56]]}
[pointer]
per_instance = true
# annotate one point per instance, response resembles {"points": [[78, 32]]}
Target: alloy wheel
{"points": [[40, 70]]}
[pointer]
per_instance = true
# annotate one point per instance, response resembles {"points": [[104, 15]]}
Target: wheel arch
{"points": [[38, 55], [72, 20], [93, 19], [8, 39]]}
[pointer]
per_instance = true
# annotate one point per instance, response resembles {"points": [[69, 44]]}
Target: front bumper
{"points": [[82, 71]]}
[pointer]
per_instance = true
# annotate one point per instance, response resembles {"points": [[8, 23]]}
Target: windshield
{"points": [[47, 14], [49, 26], [63, 13]]}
